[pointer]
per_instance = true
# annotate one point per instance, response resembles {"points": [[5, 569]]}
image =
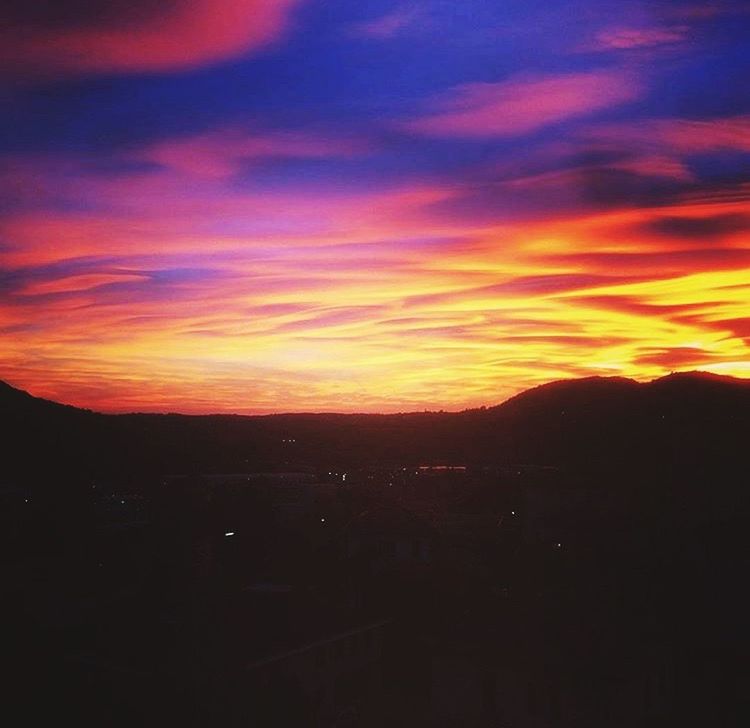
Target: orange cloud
{"points": [[677, 358], [524, 104], [140, 36], [177, 291]]}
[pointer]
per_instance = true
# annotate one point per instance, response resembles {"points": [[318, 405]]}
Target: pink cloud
{"points": [[616, 39], [706, 135], [525, 103], [655, 165], [185, 205], [222, 153], [78, 283], [386, 26], [571, 185], [686, 136], [137, 37]]}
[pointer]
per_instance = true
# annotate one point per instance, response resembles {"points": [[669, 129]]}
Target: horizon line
{"points": [[699, 373]]}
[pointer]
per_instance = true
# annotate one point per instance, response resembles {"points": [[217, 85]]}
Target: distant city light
{"points": [[322, 520]]}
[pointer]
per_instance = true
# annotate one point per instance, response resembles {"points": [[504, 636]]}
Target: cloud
{"points": [[676, 358], [386, 26], [224, 152], [686, 136], [625, 39], [524, 103], [186, 199], [141, 36], [699, 228], [77, 283], [178, 285], [739, 327]]}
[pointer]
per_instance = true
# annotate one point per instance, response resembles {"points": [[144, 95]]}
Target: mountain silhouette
{"points": [[686, 420], [591, 420]]}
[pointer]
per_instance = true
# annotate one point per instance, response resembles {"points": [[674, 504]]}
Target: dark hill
{"points": [[22, 404], [614, 423]]}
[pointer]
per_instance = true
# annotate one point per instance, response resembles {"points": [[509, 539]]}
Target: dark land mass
{"points": [[679, 420], [573, 557]]}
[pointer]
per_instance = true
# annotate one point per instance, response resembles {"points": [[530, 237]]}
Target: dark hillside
{"points": [[685, 422]]}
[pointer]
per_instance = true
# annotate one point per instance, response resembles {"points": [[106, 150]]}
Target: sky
{"points": [[258, 206]]}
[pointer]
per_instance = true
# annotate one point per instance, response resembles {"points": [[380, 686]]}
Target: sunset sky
{"points": [[325, 205]]}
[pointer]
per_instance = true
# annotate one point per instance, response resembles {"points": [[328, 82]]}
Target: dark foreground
{"points": [[493, 592]]}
